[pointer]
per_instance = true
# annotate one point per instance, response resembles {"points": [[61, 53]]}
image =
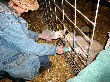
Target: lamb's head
{"points": [[69, 37], [58, 34]]}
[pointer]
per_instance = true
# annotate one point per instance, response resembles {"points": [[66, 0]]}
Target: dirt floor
{"points": [[59, 71]]}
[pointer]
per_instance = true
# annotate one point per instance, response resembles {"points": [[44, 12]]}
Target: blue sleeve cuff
{"points": [[32, 35], [54, 50]]}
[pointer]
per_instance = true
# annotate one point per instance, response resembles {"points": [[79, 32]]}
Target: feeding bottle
{"points": [[67, 49]]}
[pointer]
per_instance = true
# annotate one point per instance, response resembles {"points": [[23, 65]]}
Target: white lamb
{"points": [[94, 50]]}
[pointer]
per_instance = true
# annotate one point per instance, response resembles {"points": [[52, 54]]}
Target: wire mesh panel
{"points": [[64, 15]]}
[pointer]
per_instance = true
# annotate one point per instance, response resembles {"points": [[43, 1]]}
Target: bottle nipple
{"points": [[67, 49]]}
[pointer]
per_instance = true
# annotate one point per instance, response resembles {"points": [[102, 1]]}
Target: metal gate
{"points": [[57, 17]]}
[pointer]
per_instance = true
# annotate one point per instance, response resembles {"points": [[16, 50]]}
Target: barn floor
{"points": [[59, 71]]}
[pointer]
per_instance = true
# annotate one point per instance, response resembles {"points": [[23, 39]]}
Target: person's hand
{"points": [[45, 37], [40, 36], [60, 50]]}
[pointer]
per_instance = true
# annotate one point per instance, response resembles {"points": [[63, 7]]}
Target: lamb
{"points": [[94, 50]]}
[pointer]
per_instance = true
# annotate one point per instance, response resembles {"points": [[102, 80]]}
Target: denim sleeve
{"points": [[32, 35], [13, 33]]}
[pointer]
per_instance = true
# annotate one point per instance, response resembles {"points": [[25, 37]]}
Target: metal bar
{"points": [[80, 13], [95, 22], [79, 29], [74, 24], [70, 35]]}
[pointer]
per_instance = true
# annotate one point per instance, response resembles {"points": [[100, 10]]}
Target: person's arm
{"points": [[33, 35], [14, 34]]}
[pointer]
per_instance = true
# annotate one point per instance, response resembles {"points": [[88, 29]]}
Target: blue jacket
{"points": [[19, 53]]}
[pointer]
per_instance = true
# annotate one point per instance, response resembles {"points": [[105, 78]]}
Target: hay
{"points": [[59, 71]]}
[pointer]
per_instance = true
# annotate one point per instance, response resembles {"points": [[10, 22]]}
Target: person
{"points": [[20, 55]]}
